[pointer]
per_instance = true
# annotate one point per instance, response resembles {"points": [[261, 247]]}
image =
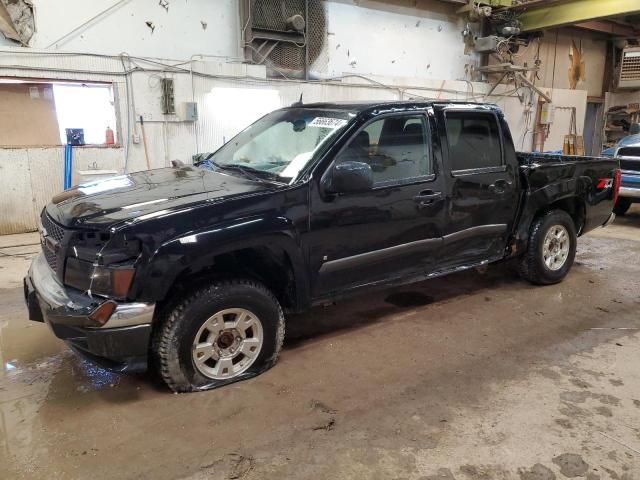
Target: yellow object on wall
{"points": [[577, 69]]}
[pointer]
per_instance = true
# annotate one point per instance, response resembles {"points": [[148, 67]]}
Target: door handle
{"points": [[427, 197], [500, 186]]}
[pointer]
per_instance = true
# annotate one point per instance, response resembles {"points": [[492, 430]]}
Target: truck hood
{"points": [[127, 197]]}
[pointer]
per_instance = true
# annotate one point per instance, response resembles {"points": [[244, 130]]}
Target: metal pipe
{"points": [[574, 11], [86, 24], [306, 39]]}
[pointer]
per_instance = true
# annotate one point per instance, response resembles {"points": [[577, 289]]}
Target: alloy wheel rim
{"points": [[555, 248], [227, 343]]}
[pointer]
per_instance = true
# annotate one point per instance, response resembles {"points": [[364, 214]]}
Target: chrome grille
{"points": [[629, 152], [630, 165]]}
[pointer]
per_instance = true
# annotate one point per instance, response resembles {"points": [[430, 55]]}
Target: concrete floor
{"points": [[477, 377]]}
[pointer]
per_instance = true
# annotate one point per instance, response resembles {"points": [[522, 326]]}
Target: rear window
{"points": [[474, 140]]}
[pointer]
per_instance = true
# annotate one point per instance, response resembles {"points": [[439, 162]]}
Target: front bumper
{"points": [[121, 344], [630, 186], [628, 192]]}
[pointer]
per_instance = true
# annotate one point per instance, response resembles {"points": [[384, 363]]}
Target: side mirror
{"points": [[350, 177]]}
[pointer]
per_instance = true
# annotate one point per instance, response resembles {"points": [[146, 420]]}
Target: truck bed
{"points": [[532, 158], [547, 177]]}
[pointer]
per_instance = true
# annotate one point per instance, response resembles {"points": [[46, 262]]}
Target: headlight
{"points": [[109, 281]]}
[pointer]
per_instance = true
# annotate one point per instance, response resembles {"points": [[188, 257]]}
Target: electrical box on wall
{"points": [[630, 68], [168, 96], [188, 112], [487, 44], [191, 111], [546, 114]]}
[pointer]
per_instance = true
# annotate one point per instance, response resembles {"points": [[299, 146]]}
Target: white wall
{"points": [[178, 33], [563, 101], [391, 40], [367, 37]]}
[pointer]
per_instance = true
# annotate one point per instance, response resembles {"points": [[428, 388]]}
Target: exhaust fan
{"points": [[285, 35], [630, 68]]}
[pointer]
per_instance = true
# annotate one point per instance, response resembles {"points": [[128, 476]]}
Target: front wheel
{"points": [[622, 206], [551, 250], [223, 333]]}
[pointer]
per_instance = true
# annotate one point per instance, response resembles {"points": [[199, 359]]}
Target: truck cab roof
{"points": [[365, 106]]}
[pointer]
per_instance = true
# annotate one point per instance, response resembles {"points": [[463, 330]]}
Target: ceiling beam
{"points": [[611, 28], [575, 11]]}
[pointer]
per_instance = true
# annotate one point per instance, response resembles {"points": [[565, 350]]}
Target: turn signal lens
{"points": [[102, 314]]}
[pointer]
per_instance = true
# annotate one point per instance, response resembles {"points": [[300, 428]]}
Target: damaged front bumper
{"points": [[121, 344]]}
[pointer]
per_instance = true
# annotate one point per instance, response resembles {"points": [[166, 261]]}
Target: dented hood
{"points": [[127, 197]]}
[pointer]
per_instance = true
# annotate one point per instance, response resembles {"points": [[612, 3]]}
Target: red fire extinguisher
{"points": [[109, 137]]}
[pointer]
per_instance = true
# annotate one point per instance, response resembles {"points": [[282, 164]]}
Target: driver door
{"points": [[389, 232]]}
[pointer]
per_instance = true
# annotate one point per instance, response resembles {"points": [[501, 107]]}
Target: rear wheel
{"points": [[551, 250], [622, 206], [225, 332]]}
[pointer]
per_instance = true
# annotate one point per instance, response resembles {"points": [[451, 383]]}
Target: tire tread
{"points": [[164, 341], [530, 267]]}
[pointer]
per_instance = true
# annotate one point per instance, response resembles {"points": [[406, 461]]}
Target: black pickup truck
{"points": [[191, 269]]}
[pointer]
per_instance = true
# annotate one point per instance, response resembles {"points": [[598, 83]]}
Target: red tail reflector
{"points": [[617, 180]]}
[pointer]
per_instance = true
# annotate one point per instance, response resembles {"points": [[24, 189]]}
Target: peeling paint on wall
{"points": [[17, 21]]}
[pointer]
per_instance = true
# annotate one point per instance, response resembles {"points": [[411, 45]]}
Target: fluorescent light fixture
{"points": [[235, 108]]}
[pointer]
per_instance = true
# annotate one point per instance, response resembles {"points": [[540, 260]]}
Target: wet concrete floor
{"points": [[470, 377]]}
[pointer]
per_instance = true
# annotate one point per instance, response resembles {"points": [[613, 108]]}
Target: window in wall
{"points": [[38, 113], [474, 140], [87, 107], [395, 147]]}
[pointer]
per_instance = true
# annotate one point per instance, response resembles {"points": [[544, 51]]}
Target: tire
{"points": [[622, 206], [224, 319], [548, 260]]}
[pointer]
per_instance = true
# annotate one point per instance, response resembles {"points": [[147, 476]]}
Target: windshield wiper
{"points": [[250, 172]]}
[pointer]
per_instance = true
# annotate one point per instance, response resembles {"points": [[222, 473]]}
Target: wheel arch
{"points": [[573, 205], [268, 264], [538, 205], [264, 249]]}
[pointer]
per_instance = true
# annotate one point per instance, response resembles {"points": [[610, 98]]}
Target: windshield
{"points": [[281, 143]]}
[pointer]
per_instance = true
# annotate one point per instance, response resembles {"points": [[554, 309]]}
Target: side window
{"points": [[396, 148], [474, 140]]}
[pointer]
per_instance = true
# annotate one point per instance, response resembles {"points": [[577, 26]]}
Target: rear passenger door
{"points": [[483, 187]]}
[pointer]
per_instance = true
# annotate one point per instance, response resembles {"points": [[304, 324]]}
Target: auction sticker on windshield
{"points": [[327, 122]]}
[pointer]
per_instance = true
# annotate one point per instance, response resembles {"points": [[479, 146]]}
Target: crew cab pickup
{"points": [[191, 269]]}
